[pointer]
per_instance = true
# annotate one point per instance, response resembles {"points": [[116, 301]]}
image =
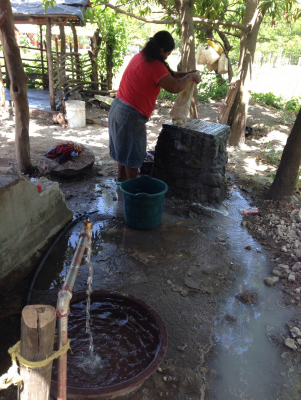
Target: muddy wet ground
{"points": [[190, 270]]}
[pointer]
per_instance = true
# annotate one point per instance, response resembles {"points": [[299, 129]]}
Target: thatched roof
{"points": [[65, 11]]}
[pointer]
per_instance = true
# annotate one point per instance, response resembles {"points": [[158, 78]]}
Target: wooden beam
{"points": [[40, 20]]}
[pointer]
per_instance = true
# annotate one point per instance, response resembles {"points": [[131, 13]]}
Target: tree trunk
{"points": [[285, 180], [185, 8], [50, 64], [238, 114], [95, 45], [18, 90]]}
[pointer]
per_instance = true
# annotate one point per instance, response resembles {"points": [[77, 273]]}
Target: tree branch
{"points": [[218, 22], [204, 21], [3, 17], [150, 21], [227, 33], [220, 31]]}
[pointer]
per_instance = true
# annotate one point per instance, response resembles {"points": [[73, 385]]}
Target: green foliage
{"points": [[211, 87], [270, 174], [164, 95], [89, 15], [267, 99], [293, 104], [272, 156], [48, 3], [282, 38], [114, 37]]}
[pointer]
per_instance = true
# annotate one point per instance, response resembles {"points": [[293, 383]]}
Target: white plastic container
{"points": [[210, 54], [76, 113], [222, 64], [200, 56]]}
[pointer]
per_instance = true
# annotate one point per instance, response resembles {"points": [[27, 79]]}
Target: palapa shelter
{"points": [[66, 13]]}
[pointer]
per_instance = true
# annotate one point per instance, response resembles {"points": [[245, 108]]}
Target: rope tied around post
{"points": [[12, 376]]}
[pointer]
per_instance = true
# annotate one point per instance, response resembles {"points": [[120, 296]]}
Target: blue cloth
{"points": [[127, 132]]}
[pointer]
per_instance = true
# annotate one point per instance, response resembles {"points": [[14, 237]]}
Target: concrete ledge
{"points": [[29, 219]]}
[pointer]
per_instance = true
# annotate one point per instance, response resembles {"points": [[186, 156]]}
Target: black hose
{"points": [[40, 266]]}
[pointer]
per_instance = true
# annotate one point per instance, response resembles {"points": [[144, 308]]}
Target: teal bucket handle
{"points": [[143, 195]]}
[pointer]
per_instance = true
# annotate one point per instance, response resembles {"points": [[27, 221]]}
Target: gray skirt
{"points": [[127, 132]]}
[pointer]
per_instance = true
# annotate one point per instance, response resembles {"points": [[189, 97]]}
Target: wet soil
{"points": [[174, 265]]}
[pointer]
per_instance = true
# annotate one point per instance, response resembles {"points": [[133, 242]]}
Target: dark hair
{"points": [[161, 40]]}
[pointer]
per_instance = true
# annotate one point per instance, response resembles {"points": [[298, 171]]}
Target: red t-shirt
{"points": [[139, 84]]}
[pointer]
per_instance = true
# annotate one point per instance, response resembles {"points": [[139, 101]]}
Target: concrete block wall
{"points": [[28, 221]]}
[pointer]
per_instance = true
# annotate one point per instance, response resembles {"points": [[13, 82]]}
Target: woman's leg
{"points": [[131, 172], [122, 175]]}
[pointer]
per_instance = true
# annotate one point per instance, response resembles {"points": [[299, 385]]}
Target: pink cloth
{"points": [[139, 84]]}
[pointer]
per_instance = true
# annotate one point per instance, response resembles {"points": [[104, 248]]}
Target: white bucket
{"points": [[76, 113]]}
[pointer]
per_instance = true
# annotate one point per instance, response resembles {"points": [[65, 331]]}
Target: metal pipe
{"points": [[63, 304]]}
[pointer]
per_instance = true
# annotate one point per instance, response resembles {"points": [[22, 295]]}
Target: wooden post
{"points": [[37, 338], [63, 58], [50, 64], [42, 57], [2, 91], [75, 42], [18, 90], [71, 60]]}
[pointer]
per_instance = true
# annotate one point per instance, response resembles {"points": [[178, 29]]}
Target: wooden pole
{"points": [[50, 64], [71, 60], [63, 53], [2, 91], [75, 42], [42, 57], [18, 90], [37, 338]]}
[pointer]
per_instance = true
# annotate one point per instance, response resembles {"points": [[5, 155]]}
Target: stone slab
{"points": [[29, 219]]}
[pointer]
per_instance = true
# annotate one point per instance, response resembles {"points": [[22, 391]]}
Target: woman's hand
{"points": [[195, 77], [173, 85]]}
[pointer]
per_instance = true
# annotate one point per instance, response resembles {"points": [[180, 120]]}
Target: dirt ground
{"points": [[248, 168]]}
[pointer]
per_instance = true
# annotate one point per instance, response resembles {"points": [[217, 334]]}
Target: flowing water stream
{"points": [[249, 363], [90, 361]]}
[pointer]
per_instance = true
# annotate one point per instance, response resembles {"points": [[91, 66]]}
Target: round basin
{"points": [[129, 342]]}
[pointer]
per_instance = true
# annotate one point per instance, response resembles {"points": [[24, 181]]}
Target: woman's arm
{"points": [[179, 75], [175, 85]]}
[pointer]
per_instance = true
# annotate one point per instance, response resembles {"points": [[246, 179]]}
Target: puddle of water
{"points": [[247, 364]]}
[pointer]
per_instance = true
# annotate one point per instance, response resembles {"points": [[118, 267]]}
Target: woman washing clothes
{"points": [[145, 75]]}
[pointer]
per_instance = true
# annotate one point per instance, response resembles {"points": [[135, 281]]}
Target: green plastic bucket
{"points": [[143, 200]]}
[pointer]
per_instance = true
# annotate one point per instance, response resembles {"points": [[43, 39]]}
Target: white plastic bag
{"points": [[181, 106], [200, 56]]}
